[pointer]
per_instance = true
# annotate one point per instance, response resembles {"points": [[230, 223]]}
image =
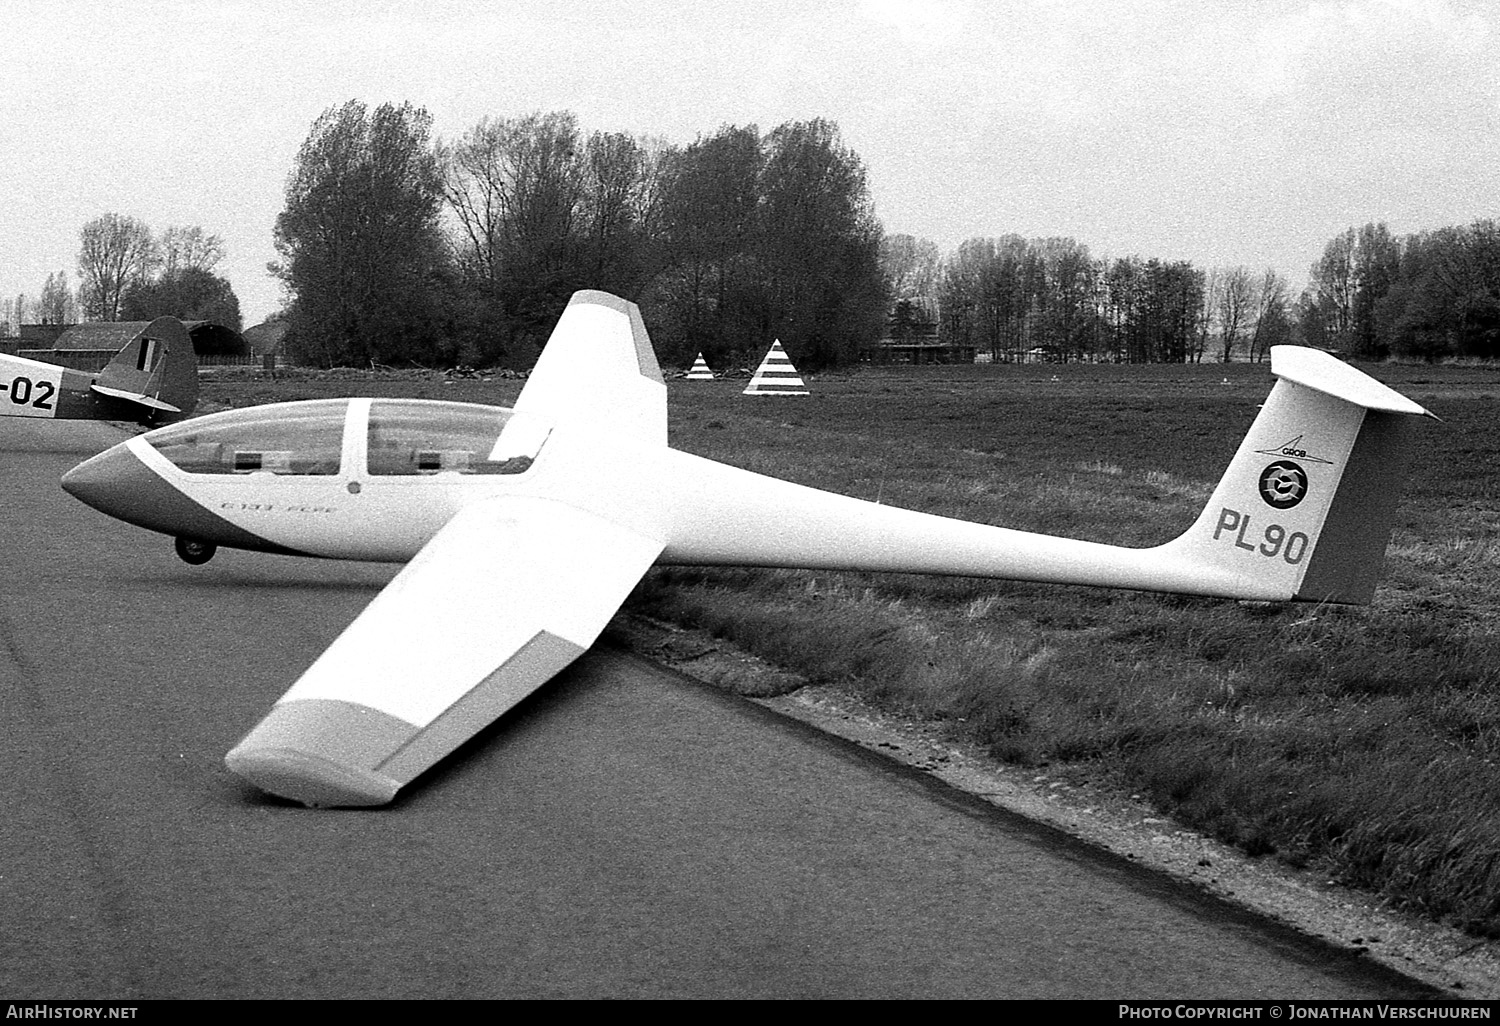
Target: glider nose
{"points": [[115, 482]]}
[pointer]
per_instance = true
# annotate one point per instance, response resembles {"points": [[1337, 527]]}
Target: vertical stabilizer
{"points": [[1306, 506], [157, 370]]}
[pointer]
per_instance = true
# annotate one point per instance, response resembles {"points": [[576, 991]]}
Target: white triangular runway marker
{"points": [[776, 375], [700, 371]]}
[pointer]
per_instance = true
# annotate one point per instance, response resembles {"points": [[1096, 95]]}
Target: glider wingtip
{"points": [[640, 338], [598, 297], [310, 779], [323, 752]]}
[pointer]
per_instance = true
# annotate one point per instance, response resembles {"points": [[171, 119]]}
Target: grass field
{"points": [[1361, 741]]}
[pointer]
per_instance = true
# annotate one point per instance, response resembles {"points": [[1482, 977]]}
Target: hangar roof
{"points": [[208, 337]]}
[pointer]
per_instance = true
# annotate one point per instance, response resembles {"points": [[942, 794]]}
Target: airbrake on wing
{"points": [[526, 529]]}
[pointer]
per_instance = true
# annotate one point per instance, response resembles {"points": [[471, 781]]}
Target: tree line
{"points": [[1372, 295], [128, 273], [1014, 298], [1430, 295], [398, 248]]}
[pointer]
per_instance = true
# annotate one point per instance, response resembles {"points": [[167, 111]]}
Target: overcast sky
{"points": [[1223, 132]]}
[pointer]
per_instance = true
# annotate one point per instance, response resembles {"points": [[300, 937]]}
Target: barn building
{"points": [[89, 346], [912, 336]]}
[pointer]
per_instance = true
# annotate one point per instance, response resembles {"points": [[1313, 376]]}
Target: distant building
{"points": [[911, 336], [265, 338], [209, 338], [89, 346], [41, 336], [32, 336]]}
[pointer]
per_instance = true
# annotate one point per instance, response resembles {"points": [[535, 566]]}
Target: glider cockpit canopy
{"points": [[379, 437]]}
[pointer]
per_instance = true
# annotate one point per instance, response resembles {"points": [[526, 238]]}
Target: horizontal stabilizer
{"points": [[136, 397], [1320, 372]]}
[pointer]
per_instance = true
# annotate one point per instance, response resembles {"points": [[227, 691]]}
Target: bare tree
{"points": [[189, 249], [621, 211], [1213, 288], [711, 193], [1333, 286], [56, 305], [517, 187], [1064, 305], [1236, 296], [1377, 266], [1270, 314], [117, 251], [912, 266]]}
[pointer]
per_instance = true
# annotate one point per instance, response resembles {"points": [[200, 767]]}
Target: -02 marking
{"points": [[21, 390], [1275, 541]]}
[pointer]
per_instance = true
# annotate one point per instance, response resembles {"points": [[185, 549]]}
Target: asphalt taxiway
{"points": [[624, 833]]}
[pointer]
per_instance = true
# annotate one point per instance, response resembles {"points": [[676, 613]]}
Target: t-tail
{"points": [[1305, 509]]}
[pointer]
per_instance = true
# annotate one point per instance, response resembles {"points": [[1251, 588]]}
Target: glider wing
{"points": [[598, 368], [508, 593]]}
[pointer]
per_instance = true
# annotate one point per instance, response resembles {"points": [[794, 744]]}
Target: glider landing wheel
{"points": [[190, 550]]}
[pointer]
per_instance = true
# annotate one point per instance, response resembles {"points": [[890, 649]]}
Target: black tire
{"points": [[191, 550]]}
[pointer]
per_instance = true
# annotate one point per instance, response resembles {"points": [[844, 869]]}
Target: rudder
{"points": [[157, 369], [1305, 509]]}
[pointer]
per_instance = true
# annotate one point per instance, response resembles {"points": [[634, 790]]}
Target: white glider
{"points": [[525, 530]]}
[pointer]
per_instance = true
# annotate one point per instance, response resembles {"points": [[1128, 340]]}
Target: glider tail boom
{"points": [[1305, 509]]}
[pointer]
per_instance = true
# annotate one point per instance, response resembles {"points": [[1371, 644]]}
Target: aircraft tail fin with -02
{"points": [[1307, 503], [156, 370], [152, 380]]}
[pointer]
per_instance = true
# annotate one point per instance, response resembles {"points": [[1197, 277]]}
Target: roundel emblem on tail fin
{"points": [[1283, 484]]}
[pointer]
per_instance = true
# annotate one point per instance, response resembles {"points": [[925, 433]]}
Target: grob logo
{"points": [[1293, 449], [1283, 484]]}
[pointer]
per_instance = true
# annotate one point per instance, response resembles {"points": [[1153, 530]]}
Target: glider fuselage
{"points": [[376, 479]]}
